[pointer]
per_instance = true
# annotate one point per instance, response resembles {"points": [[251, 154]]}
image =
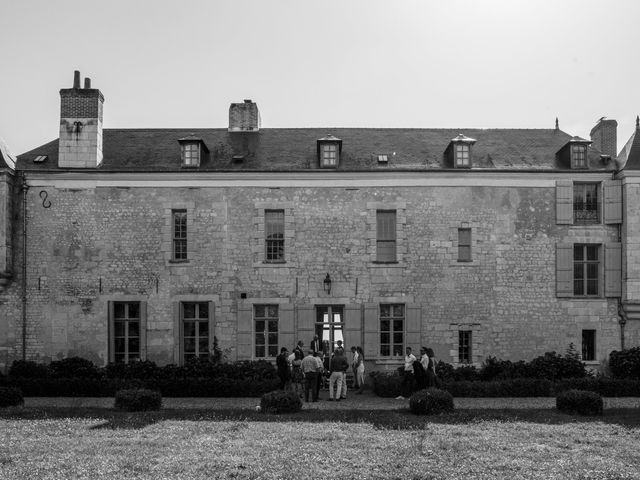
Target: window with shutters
{"points": [[126, 332], [586, 270], [392, 323], [588, 345], [586, 205], [464, 346], [386, 236], [265, 321], [194, 319], [464, 244], [274, 236]]}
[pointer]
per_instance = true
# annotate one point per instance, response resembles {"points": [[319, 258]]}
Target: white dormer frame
{"points": [[329, 151], [192, 150], [461, 151]]}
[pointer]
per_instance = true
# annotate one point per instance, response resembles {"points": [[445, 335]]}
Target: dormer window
{"points": [[578, 156], [462, 155], [459, 151], [190, 154], [192, 151], [329, 149]]}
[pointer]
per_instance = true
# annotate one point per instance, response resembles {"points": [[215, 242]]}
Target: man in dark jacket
{"points": [[282, 365], [339, 367]]}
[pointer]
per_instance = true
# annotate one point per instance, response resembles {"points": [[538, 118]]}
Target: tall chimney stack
{"points": [[244, 117], [80, 142], [605, 136]]}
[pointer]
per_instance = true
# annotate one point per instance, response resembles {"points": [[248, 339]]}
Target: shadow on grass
{"points": [[401, 419]]}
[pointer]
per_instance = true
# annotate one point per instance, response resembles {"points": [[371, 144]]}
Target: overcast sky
{"points": [[329, 63]]}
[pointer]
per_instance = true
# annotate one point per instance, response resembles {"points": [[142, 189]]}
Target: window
{"points": [[274, 236], [588, 345], [464, 244], [195, 329], [464, 346], [191, 154], [330, 326], [383, 158], [586, 269], [126, 331], [585, 203], [579, 156], [462, 152], [266, 330], [179, 234], [386, 236], [391, 330], [329, 155]]}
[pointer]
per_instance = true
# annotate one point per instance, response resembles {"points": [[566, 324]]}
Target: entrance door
{"points": [[329, 326]]}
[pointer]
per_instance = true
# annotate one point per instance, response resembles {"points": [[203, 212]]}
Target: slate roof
{"points": [[295, 149], [629, 157]]}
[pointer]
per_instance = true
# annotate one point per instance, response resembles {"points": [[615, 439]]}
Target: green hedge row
{"points": [[389, 385]]}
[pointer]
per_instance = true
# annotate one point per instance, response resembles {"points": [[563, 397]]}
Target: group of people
{"points": [[304, 372], [419, 373]]}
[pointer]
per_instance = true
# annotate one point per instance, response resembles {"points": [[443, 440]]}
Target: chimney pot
{"points": [[76, 79], [87, 82]]}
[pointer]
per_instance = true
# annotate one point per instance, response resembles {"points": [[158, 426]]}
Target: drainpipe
{"points": [[622, 321], [25, 188]]}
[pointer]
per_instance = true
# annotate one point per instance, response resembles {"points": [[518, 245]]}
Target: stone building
{"points": [[120, 244]]}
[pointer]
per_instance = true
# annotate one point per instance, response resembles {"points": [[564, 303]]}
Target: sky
{"points": [[330, 63]]}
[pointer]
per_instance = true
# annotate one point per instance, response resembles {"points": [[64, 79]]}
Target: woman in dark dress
{"points": [[432, 379]]}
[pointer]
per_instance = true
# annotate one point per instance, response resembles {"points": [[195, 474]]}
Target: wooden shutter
{"points": [[413, 328], [612, 201], [212, 325], [564, 270], [286, 336], [306, 324], [371, 331], [143, 330], [177, 334], [352, 327], [564, 202], [613, 270], [244, 342]]}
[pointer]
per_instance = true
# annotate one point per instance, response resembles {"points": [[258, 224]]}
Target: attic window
{"points": [[383, 158], [329, 149], [460, 151], [462, 155], [40, 159], [578, 156], [191, 154]]}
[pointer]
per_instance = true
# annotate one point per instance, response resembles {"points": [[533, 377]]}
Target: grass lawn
{"points": [[94, 443]]}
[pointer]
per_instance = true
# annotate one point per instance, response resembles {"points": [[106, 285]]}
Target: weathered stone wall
{"points": [[107, 243]]}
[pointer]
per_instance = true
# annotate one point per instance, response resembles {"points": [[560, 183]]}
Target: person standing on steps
{"points": [[310, 370], [282, 364], [339, 366]]}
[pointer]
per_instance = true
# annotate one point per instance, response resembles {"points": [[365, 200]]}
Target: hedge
{"points": [[580, 402]]}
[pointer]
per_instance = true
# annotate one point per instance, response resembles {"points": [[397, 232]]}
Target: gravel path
{"points": [[367, 401]]}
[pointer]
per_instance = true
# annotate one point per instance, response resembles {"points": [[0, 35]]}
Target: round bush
{"points": [[10, 397], [625, 363], [579, 401], [431, 401], [280, 401], [137, 400], [74, 367], [28, 369]]}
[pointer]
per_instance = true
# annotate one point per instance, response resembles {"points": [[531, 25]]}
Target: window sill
{"points": [[590, 363], [464, 261], [376, 262], [178, 261]]}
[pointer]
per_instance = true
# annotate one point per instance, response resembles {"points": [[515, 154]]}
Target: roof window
{"points": [[460, 151], [192, 151], [329, 149]]}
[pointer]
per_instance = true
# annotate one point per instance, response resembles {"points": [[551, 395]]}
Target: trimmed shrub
{"points": [[28, 369], [280, 401], [136, 369], [10, 397], [496, 369], [607, 387], [625, 363], [517, 387], [448, 373], [579, 401], [138, 400], [431, 401], [387, 384], [73, 367], [556, 367]]}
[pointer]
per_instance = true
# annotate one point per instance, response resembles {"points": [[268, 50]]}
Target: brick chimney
{"points": [[244, 117], [604, 136], [80, 144]]}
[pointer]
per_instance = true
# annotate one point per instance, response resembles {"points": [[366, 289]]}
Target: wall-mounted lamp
{"points": [[327, 284]]}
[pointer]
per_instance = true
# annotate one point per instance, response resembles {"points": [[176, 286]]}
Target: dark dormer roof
{"points": [[294, 149]]}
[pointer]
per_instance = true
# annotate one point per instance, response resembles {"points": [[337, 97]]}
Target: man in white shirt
{"points": [[408, 382]]}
